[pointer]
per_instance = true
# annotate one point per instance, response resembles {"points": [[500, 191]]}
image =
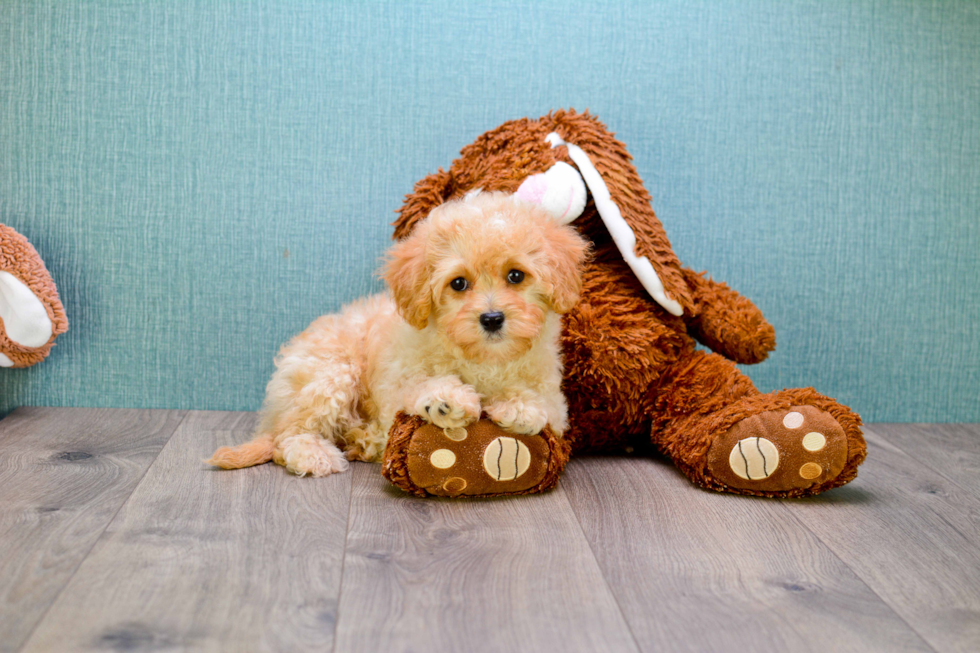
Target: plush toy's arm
{"points": [[727, 322]]}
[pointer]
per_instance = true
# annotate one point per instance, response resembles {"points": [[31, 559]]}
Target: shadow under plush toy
{"points": [[31, 315], [632, 371]]}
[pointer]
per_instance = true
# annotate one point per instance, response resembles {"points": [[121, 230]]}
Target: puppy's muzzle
{"points": [[492, 322]]}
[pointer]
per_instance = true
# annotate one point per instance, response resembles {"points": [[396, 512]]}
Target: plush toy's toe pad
{"points": [[780, 450], [477, 460]]}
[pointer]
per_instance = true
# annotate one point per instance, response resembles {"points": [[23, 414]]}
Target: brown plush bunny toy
{"points": [[31, 314], [631, 368]]}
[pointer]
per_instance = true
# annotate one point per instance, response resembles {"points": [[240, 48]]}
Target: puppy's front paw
{"points": [[448, 404], [518, 416]]}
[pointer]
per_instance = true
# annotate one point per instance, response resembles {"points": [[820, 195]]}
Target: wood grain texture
{"points": [[63, 475], [116, 537], [470, 575], [953, 450], [209, 560], [698, 571], [912, 535]]}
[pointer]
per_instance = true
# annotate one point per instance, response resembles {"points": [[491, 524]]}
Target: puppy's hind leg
{"points": [[313, 416], [366, 444], [309, 454]]}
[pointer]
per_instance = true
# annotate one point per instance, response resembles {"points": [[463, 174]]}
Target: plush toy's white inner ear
{"points": [[618, 228], [560, 190], [24, 318]]}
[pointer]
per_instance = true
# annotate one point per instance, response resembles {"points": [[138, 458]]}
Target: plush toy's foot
{"points": [[726, 436], [792, 450], [476, 461], [780, 450]]}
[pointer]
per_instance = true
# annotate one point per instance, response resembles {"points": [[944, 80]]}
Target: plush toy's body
{"points": [[31, 315], [632, 372]]}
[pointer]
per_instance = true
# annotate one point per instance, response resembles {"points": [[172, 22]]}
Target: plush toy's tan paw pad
{"points": [[780, 450], [476, 460]]}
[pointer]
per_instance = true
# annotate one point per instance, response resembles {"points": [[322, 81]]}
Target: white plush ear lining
{"points": [[23, 314], [618, 228], [560, 191]]}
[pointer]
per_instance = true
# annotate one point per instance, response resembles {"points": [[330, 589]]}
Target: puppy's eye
{"points": [[515, 277], [458, 284]]}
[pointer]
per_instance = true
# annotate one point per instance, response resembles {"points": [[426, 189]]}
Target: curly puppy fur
{"points": [[428, 347]]}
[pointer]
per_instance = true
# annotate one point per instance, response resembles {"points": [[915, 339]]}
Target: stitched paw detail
{"points": [[754, 459], [505, 459]]}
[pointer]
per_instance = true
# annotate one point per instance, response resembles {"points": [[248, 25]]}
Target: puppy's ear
{"points": [[565, 253], [407, 275]]}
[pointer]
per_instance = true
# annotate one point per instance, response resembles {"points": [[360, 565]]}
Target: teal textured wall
{"points": [[204, 178]]}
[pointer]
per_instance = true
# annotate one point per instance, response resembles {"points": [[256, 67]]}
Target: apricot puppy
{"points": [[470, 323]]}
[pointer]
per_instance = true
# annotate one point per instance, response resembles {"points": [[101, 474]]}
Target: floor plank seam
{"points": [[602, 572], [95, 542], [919, 462], [343, 561], [830, 549]]}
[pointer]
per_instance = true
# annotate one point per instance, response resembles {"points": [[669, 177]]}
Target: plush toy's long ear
{"points": [[25, 320], [429, 193], [623, 205], [619, 229], [407, 275], [31, 314]]}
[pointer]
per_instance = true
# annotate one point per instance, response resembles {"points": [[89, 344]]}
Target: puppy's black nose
{"points": [[492, 321]]}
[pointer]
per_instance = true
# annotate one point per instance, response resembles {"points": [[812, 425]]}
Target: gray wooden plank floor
{"points": [[913, 536], [451, 575], [114, 536], [721, 569], [63, 476], [199, 558]]}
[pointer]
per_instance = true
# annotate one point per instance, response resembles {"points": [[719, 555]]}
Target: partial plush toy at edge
{"points": [[632, 372], [31, 314]]}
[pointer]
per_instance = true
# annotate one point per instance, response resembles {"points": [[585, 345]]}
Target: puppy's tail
{"points": [[256, 452]]}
